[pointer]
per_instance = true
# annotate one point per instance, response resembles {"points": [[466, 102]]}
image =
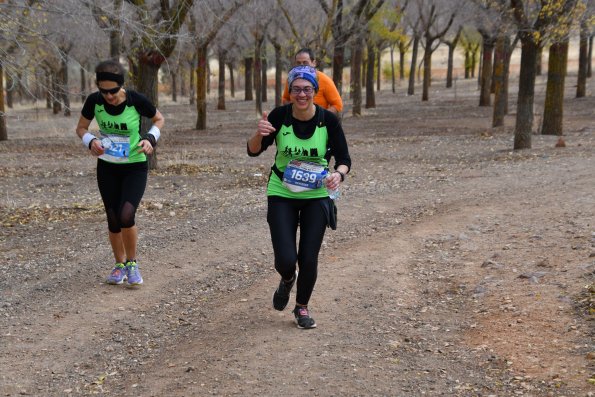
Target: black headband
{"points": [[103, 76]]}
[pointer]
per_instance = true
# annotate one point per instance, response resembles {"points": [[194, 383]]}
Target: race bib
{"points": [[116, 147], [300, 176]]}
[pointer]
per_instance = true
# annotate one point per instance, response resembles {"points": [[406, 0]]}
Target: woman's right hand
{"points": [[264, 127], [97, 147]]}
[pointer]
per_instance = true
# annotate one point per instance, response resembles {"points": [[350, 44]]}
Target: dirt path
{"points": [[459, 268]]}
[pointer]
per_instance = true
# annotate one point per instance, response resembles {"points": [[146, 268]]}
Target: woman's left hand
{"points": [[333, 180], [145, 146]]}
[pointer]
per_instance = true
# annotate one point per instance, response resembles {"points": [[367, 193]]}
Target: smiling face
{"points": [[302, 94]]}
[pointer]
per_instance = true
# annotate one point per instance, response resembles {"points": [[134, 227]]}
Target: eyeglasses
{"points": [[306, 90], [112, 91]]}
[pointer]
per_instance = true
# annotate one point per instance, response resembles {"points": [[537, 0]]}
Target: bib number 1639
{"points": [[299, 175]]}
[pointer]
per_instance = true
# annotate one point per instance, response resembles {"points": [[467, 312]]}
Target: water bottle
{"points": [[332, 193], [106, 143]]}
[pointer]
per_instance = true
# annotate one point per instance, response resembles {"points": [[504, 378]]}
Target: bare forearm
{"points": [[255, 143]]}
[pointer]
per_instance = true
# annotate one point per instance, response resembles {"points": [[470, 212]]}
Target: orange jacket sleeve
{"points": [[328, 95], [285, 97]]}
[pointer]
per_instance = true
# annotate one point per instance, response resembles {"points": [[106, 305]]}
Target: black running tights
{"points": [[284, 216], [122, 187]]}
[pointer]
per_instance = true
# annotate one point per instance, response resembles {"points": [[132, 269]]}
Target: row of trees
{"points": [[41, 39]]}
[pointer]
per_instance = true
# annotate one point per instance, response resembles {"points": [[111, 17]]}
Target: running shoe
{"points": [[302, 317], [134, 277], [117, 275], [281, 294]]}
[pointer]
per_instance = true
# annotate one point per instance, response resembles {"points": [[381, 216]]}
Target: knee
{"points": [[127, 221], [285, 263]]}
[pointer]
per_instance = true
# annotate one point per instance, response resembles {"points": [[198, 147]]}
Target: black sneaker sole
{"points": [[301, 327], [280, 306]]}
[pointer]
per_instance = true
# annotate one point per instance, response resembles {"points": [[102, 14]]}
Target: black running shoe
{"points": [[302, 317], [281, 295]]}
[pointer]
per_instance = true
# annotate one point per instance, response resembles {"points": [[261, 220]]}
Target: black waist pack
{"points": [[330, 210]]}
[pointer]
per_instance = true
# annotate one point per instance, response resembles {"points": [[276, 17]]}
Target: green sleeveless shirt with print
{"points": [[125, 125], [291, 147]]}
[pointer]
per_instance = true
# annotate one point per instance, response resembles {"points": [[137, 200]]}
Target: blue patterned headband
{"points": [[303, 72]]}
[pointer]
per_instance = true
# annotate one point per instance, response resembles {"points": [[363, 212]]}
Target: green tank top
{"points": [[124, 126], [291, 147]]}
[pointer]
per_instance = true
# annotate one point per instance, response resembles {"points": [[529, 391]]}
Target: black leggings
{"points": [[284, 216], [122, 187]]}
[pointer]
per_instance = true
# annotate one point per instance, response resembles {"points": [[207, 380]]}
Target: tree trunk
{"points": [[208, 76], [201, 87], [248, 64], [174, 86], [486, 71], [364, 69], [10, 89], [590, 57], [264, 80], [115, 41], [115, 45], [370, 99], [278, 75], [378, 69], [3, 130], [339, 48], [583, 58], [148, 71], [411, 87], [449, 66], [56, 104], [64, 87], [392, 69], [182, 85], [258, 73], [356, 72], [83, 85], [427, 70], [48, 90], [474, 60], [553, 110], [146, 81], [338, 61], [402, 52], [191, 93], [467, 63], [232, 82], [526, 95], [501, 61], [221, 82]]}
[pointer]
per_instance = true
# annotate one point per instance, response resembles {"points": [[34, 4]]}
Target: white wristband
{"points": [[155, 132], [87, 138]]}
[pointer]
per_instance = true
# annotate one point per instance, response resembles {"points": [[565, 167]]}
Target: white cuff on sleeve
{"points": [[87, 138], [155, 132]]}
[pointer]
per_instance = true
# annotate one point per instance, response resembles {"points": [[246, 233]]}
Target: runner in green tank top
{"points": [[122, 163], [306, 137]]}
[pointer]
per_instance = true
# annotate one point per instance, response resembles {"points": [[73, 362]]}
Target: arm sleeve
{"points": [[331, 93], [142, 104], [88, 111], [337, 141]]}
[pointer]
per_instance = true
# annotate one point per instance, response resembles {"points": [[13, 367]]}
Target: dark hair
{"points": [[110, 66], [110, 70], [306, 51]]}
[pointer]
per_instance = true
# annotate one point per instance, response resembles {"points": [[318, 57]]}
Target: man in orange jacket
{"points": [[328, 96]]}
